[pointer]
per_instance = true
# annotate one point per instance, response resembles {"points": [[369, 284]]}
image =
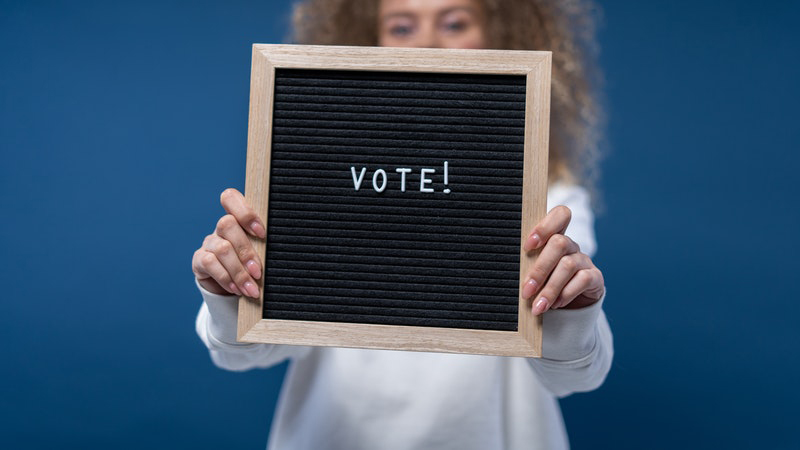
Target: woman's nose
{"points": [[428, 37]]}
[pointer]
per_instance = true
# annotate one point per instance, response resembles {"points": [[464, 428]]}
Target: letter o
{"points": [[375, 180]]}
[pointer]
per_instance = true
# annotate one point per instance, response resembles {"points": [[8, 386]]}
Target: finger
{"points": [[206, 265], [586, 281], [555, 222], [235, 204], [584, 264], [567, 267], [226, 255], [230, 230], [557, 246]]}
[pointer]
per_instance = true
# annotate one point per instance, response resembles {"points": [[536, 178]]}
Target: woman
{"points": [[351, 398]]}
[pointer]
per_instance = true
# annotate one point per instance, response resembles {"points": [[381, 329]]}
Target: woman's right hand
{"points": [[227, 263]]}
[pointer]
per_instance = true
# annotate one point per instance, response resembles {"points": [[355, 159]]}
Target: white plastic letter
{"points": [[375, 180], [358, 179], [423, 181], [446, 189], [403, 171]]}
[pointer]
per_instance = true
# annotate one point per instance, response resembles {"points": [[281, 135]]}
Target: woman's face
{"points": [[431, 23]]}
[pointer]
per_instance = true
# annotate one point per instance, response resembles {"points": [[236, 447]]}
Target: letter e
{"points": [[423, 181]]}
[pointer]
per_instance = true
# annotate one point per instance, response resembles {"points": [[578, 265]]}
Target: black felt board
{"points": [[442, 258]]}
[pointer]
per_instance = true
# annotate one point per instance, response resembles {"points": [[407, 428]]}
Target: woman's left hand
{"points": [[562, 276]]}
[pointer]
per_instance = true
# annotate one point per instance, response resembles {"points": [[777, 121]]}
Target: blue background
{"points": [[120, 123]]}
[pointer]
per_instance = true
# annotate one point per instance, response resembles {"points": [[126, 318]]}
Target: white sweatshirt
{"points": [[350, 399]]}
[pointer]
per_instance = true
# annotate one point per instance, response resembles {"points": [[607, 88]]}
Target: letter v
{"points": [[357, 179]]}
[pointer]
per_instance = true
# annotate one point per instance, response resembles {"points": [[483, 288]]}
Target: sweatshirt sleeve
{"points": [[216, 325], [577, 345]]}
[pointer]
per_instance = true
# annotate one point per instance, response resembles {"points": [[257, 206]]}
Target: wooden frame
{"points": [[536, 66]]}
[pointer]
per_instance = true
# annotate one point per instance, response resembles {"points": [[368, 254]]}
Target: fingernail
{"points": [[532, 242], [252, 290], [253, 269], [528, 289], [258, 229], [232, 287], [540, 306]]}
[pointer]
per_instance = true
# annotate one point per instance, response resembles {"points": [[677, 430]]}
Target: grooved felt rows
{"points": [[366, 224]]}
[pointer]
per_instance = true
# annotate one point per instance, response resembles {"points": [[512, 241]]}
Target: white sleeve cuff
{"points": [[223, 311], [570, 334]]}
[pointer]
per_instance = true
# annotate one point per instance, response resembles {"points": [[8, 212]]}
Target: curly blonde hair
{"points": [[565, 27]]}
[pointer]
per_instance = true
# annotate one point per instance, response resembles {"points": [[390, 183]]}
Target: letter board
{"points": [[397, 186]]}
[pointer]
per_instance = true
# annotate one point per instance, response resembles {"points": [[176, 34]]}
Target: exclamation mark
{"points": [[446, 190]]}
